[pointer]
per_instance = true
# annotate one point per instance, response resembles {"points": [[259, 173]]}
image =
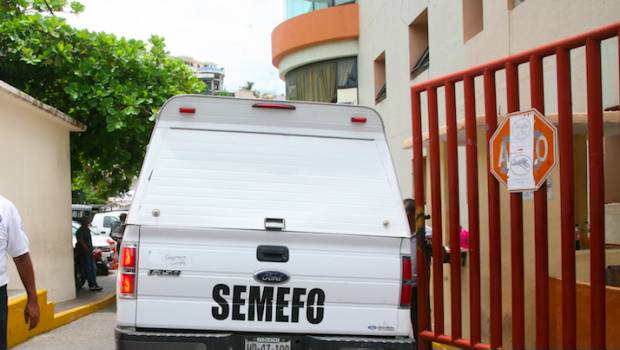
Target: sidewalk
{"points": [[84, 296], [57, 315]]}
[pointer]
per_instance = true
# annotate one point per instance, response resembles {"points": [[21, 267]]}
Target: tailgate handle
{"points": [[272, 253], [274, 224]]}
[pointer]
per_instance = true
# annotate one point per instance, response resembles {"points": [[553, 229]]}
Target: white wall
{"points": [[384, 26], [36, 177]]}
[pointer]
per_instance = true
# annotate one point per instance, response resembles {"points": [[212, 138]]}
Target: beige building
{"points": [[400, 43], [36, 177]]}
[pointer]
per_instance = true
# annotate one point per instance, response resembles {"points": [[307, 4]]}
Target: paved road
{"points": [[93, 332]]}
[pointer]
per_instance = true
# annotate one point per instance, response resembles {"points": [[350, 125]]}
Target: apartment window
{"points": [[380, 82], [321, 81], [514, 3], [418, 45], [472, 18]]}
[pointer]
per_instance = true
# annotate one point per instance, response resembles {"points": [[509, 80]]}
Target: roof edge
{"points": [[57, 114]]}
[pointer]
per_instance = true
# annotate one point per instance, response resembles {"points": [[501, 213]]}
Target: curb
{"points": [[18, 331]]}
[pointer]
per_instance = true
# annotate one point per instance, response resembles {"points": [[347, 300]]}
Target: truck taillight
{"points": [[128, 258], [406, 281], [128, 284], [127, 279]]}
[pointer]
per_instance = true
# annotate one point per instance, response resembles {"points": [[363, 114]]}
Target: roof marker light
{"points": [[358, 119], [187, 110], [274, 105]]}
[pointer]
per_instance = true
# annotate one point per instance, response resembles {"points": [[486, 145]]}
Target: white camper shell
{"points": [[265, 225]]}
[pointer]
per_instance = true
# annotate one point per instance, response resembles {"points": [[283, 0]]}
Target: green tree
{"points": [[12, 8], [112, 85], [248, 85]]}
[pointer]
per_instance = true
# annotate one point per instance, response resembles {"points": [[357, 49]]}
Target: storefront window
{"points": [[299, 7], [319, 82]]}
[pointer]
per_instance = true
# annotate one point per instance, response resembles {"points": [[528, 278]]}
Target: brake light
{"points": [[128, 259], [406, 281], [358, 119], [187, 110], [274, 105], [127, 279], [128, 284]]}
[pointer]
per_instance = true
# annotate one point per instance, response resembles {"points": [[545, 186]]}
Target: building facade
{"points": [[209, 73], [401, 43], [36, 177], [319, 64]]}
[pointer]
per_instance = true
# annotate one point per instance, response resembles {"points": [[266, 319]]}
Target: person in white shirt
{"points": [[14, 243]]}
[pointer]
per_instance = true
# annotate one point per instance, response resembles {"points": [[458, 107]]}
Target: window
{"points": [[320, 81], [299, 7], [514, 3], [347, 73], [472, 18], [109, 220], [418, 45], [380, 81]]}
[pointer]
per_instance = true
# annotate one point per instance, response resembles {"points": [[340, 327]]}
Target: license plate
{"points": [[264, 343]]}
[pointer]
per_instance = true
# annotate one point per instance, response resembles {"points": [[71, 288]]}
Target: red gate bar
{"points": [[516, 227], [567, 200], [453, 194], [495, 247], [471, 137], [541, 244], [459, 343], [597, 219], [418, 177], [433, 149]]}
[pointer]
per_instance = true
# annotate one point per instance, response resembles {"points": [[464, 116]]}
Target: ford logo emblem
{"points": [[273, 277]]}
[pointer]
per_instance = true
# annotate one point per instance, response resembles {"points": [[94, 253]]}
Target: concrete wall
{"points": [[36, 177], [384, 26]]}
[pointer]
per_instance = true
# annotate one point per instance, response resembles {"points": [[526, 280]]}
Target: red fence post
{"points": [[471, 137], [433, 151], [597, 178], [567, 200], [495, 247], [541, 245], [516, 228], [453, 193], [418, 177]]}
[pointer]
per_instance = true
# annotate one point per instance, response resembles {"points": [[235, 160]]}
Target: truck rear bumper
{"points": [[130, 339]]}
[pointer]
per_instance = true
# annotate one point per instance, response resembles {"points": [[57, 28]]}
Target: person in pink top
{"points": [[464, 238]]}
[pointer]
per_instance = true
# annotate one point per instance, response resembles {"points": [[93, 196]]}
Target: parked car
{"points": [[103, 222], [265, 225], [105, 244]]}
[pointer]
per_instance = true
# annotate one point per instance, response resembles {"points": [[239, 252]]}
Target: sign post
{"points": [[523, 150]]}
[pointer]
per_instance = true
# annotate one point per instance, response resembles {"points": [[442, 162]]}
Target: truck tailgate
{"points": [[210, 279]]}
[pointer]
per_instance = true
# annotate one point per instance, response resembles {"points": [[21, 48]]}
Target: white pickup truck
{"points": [[263, 225]]}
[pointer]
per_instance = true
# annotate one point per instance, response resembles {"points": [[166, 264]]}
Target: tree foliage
{"points": [[112, 85]]}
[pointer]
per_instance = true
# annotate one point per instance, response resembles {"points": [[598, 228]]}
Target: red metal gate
{"points": [[533, 58]]}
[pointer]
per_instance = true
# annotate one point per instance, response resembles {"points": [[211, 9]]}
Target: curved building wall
{"points": [[315, 28]]}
